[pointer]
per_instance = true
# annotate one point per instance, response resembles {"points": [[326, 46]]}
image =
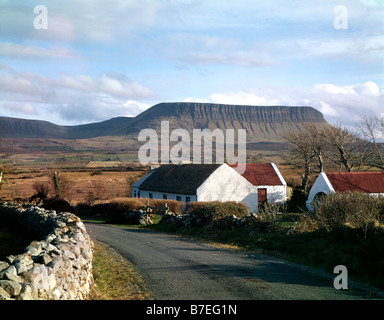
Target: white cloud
{"points": [[133, 108], [93, 21], [13, 50], [220, 44], [79, 98], [244, 97], [123, 87], [345, 104], [24, 108]]}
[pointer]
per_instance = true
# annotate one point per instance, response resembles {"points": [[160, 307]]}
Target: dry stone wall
{"points": [[58, 267]]}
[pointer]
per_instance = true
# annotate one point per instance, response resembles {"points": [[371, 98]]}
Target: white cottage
{"points": [[196, 182], [268, 182], [332, 182]]}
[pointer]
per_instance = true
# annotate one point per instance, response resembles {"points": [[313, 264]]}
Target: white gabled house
{"points": [[267, 180], [196, 182], [333, 182]]}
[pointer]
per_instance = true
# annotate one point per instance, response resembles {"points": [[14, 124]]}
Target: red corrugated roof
{"points": [[260, 174], [367, 182]]}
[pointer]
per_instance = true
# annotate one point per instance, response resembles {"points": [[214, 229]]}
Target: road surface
{"points": [[177, 268]]}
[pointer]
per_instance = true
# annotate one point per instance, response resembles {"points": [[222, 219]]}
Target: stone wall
{"points": [[58, 267]]}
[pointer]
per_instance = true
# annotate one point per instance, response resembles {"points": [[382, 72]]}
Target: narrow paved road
{"points": [[178, 268]]}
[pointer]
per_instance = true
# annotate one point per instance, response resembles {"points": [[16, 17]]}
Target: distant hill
{"points": [[263, 123]]}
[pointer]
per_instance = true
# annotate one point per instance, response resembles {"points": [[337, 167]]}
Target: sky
{"points": [[74, 62]]}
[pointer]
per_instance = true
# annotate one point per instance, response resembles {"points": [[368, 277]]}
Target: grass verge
{"points": [[114, 277]]}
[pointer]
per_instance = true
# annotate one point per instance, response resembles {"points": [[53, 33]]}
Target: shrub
{"points": [[115, 209], [297, 201], [193, 205], [41, 192], [217, 213], [57, 204], [354, 209], [269, 211], [118, 206], [173, 205]]}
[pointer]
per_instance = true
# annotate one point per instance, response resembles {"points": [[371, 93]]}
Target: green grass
{"points": [[115, 278]]}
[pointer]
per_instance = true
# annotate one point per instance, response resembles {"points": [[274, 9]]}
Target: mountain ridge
{"points": [[263, 123]]}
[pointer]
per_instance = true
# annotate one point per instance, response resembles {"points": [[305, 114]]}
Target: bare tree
{"points": [[372, 129], [42, 191], [300, 156], [315, 135], [347, 149], [316, 148]]}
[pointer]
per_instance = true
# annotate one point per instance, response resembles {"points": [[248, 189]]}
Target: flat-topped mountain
{"points": [[263, 123]]}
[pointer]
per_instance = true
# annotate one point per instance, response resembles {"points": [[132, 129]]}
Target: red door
{"points": [[262, 195]]}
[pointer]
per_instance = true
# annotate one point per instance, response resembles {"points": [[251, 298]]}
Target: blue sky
{"points": [[97, 59]]}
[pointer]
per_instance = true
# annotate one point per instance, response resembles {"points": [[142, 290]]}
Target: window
{"points": [[150, 195], [178, 198], [138, 194], [165, 196], [134, 193], [187, 199]]}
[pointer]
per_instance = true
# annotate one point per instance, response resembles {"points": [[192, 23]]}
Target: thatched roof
{"points": [[179, 179]]}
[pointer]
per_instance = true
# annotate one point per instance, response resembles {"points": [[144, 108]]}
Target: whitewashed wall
{"points": [[321, 184], [225, 184], [170, 196], [275, 194]]}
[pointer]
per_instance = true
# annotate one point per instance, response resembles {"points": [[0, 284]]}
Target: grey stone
{"points": [[34, 248], [4, 295], [23, 258], [3, 265], [56, 264], [10, 258], [63, 246], [50, 238], [27, 293], [75, 250], [56, 294], [51, 281], [37, 277], [10, 273], [48, 247], [58, 267], [11, 287], [9, 270], [45, 259], [22, 267], [68, 255]]}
